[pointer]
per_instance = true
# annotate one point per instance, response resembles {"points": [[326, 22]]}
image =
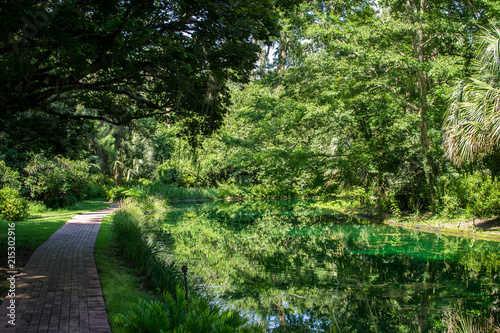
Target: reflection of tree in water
{"points": [[305, 275]]}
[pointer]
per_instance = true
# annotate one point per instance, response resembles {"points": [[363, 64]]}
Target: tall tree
{"points": [[377, 76], [433, 36], [124, 60]]}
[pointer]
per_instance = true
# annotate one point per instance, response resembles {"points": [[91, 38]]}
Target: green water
{"points": [[297, 267]]}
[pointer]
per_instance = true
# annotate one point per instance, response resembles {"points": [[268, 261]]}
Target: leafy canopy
{"points": [[121, 60]]}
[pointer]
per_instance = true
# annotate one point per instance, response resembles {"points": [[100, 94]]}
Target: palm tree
{"points": [[472, 123]]}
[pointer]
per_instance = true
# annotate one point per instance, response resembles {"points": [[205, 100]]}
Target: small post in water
{"points": [[185, 270]]}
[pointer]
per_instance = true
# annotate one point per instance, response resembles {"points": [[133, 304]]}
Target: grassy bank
{"points": [[34, 230], [121, 285]]}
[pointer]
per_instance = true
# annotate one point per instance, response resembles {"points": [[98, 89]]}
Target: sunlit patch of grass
{"points": [[40, 225]]}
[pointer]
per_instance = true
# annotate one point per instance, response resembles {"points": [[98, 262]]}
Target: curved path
{"points": [[59, 288]]}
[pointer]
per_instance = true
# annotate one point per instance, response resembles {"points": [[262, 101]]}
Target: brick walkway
{"points": [[59, 289]]}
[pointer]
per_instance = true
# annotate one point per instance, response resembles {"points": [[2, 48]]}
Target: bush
{"points": [[174, 315], [119, 193], [96, 187], [167, 174], [12, 206], [57, 182], [229, 189], [9, 177], [475, 194], [36, 207]]}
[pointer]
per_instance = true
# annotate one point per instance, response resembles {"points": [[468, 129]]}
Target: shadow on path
{"points": [[59, 288]]}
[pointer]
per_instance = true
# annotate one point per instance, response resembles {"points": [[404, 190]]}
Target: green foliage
{"points": [[138, 243], [125, 153], [471, 124], [191, 70], [346, 106], [460, 321], [9, 177], [121, 286], [95, 188], [12, 206], [174, 315], [167, 173], [143, 317], [353, 99], [169, 192], [230, 190], [138, 246], [357, 193], [119, 193], [37, 207], [475, 194], [180, 172], [57, 182]]}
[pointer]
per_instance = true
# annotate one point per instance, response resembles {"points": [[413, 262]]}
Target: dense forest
{"points": [[346, 111], [394, 103]]}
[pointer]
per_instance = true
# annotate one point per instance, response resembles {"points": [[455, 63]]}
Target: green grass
{"points": [[181, 193], [121, 286], [34, 230]]}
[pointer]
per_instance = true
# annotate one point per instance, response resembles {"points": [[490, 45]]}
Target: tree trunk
{"points": [[418, 45], [282, 57]]}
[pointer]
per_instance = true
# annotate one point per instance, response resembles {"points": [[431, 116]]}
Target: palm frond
{"points": [[472, 122]]}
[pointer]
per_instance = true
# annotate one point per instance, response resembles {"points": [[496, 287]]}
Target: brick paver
{"points": [[59, 288]]}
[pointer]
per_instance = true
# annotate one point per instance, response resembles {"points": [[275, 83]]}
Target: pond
{"points": [[298, 266]]}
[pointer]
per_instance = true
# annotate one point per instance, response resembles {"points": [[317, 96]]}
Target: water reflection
{"points": [[301, 267]]}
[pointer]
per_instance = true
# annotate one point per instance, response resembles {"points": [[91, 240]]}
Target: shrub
{"points": [[174, 314], [36, 207], [96, 187], [475, 194], [116, 194], [12, 206], [57, 182], [9, 177], [95, 190], [167, 173], [119, 193]]}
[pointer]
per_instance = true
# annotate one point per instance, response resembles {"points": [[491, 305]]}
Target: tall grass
{"points": [[138, 243], [121, 286], [169, 192], [457, 320]]}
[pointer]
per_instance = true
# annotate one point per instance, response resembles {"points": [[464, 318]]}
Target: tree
{"points": [[472, 124], [119, 60], [376, 75]]}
